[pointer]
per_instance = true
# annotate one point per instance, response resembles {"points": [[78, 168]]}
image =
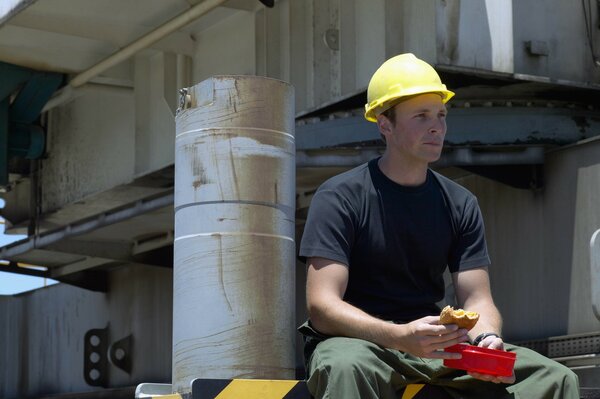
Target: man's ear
{"points": [[384, 125]]}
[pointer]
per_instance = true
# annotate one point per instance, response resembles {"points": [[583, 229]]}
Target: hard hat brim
{"points": [[381, 105]]}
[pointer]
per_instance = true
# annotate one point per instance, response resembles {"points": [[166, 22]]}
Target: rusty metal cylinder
{"points": [[233, 305]]}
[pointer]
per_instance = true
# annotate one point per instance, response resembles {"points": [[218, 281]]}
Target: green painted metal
{"points": [[11, 77], [20, 136], [4, 141], [32, 97]]}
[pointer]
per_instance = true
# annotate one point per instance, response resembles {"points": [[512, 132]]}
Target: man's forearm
{"points": [[490, 320], [340, 318]]}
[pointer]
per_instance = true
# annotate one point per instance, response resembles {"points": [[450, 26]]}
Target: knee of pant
{"points": [[564, 374], [570, 378], [345, 356]]}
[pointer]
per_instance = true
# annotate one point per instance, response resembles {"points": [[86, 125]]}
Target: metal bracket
{"points": [[95, 362], [185, 100], [98, 354], [119, 353]]}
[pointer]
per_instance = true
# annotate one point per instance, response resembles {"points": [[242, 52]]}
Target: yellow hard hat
{"points": [[401, 76]]}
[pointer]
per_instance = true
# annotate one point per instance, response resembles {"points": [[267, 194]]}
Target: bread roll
{"points": [[462, 318]]}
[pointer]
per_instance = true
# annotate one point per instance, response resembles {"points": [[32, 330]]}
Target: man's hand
{"points": [[427, 338], [493, 343]]}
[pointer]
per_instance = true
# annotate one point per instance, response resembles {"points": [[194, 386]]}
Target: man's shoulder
{"points": [[453, 190], [349, 181]]}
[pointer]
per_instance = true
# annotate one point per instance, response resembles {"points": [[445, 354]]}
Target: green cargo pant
{"points": [[349, 368]]}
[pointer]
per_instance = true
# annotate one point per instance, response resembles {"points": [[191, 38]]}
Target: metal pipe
{"points": [[234, 266], [70, 93], [169, 27]]}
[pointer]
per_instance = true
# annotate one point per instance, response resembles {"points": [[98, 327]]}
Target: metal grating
{"points": [[567, 345], [572, 346]]}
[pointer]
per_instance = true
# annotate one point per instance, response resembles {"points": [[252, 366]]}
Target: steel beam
{"points": [[84, 264], [13, 268], [468, 125], [118, 251], [104, 219]]}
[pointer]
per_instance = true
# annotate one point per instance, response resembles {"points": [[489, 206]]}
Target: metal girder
{"points": [[113, 251], [14, 268], [338, 157], [84, 264], [44, 239], [109, 250], [76, 259], [469, 125], [452, 156]]}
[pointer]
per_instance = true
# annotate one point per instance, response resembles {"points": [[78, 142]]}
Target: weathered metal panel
{"points": [[234, 231], [538, 242], [42, 333], [42, 339], [155, 104], [560, 25], [369, 36], [587, 221], [91, 147], [595, 272], [140, 304], [227, 47]]}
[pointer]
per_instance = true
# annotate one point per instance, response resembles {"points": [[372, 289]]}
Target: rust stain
{"points": [[233, 171], [221, 272]]}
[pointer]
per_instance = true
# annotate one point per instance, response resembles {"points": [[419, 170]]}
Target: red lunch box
{"points": [[482, 360]]}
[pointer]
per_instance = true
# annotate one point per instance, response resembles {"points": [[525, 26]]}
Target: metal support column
{"points": [[234, 250]]}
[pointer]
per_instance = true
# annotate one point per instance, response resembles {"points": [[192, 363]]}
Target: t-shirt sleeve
{"points": [[329, 229], [470, 249]]}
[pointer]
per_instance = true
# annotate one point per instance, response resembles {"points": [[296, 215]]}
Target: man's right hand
{"points": [[427, 338], [326, 283]]}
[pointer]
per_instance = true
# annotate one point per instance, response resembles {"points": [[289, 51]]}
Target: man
{"points": [[377, 241]]}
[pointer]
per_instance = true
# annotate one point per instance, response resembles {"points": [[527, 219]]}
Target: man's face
{"points": [[419, 129]]}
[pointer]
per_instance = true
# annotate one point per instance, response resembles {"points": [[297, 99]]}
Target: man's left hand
{"points": [[493, 343]]}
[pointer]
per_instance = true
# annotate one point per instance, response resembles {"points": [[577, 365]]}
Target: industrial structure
{"points": [[89, 92]]}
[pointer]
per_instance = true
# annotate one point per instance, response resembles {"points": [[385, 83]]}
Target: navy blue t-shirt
{"points": [[396, 240]]}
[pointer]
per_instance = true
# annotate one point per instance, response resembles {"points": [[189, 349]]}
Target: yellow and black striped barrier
{"points": [[203, 388], [284, 389]]}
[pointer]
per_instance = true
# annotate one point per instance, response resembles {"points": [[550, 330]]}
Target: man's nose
{"points": [[439, 126]]}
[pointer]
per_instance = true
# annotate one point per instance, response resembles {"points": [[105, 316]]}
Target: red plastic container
{"points": [[482, 360]]}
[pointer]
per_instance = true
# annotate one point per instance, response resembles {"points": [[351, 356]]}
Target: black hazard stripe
{"points": [[205, 388]]}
